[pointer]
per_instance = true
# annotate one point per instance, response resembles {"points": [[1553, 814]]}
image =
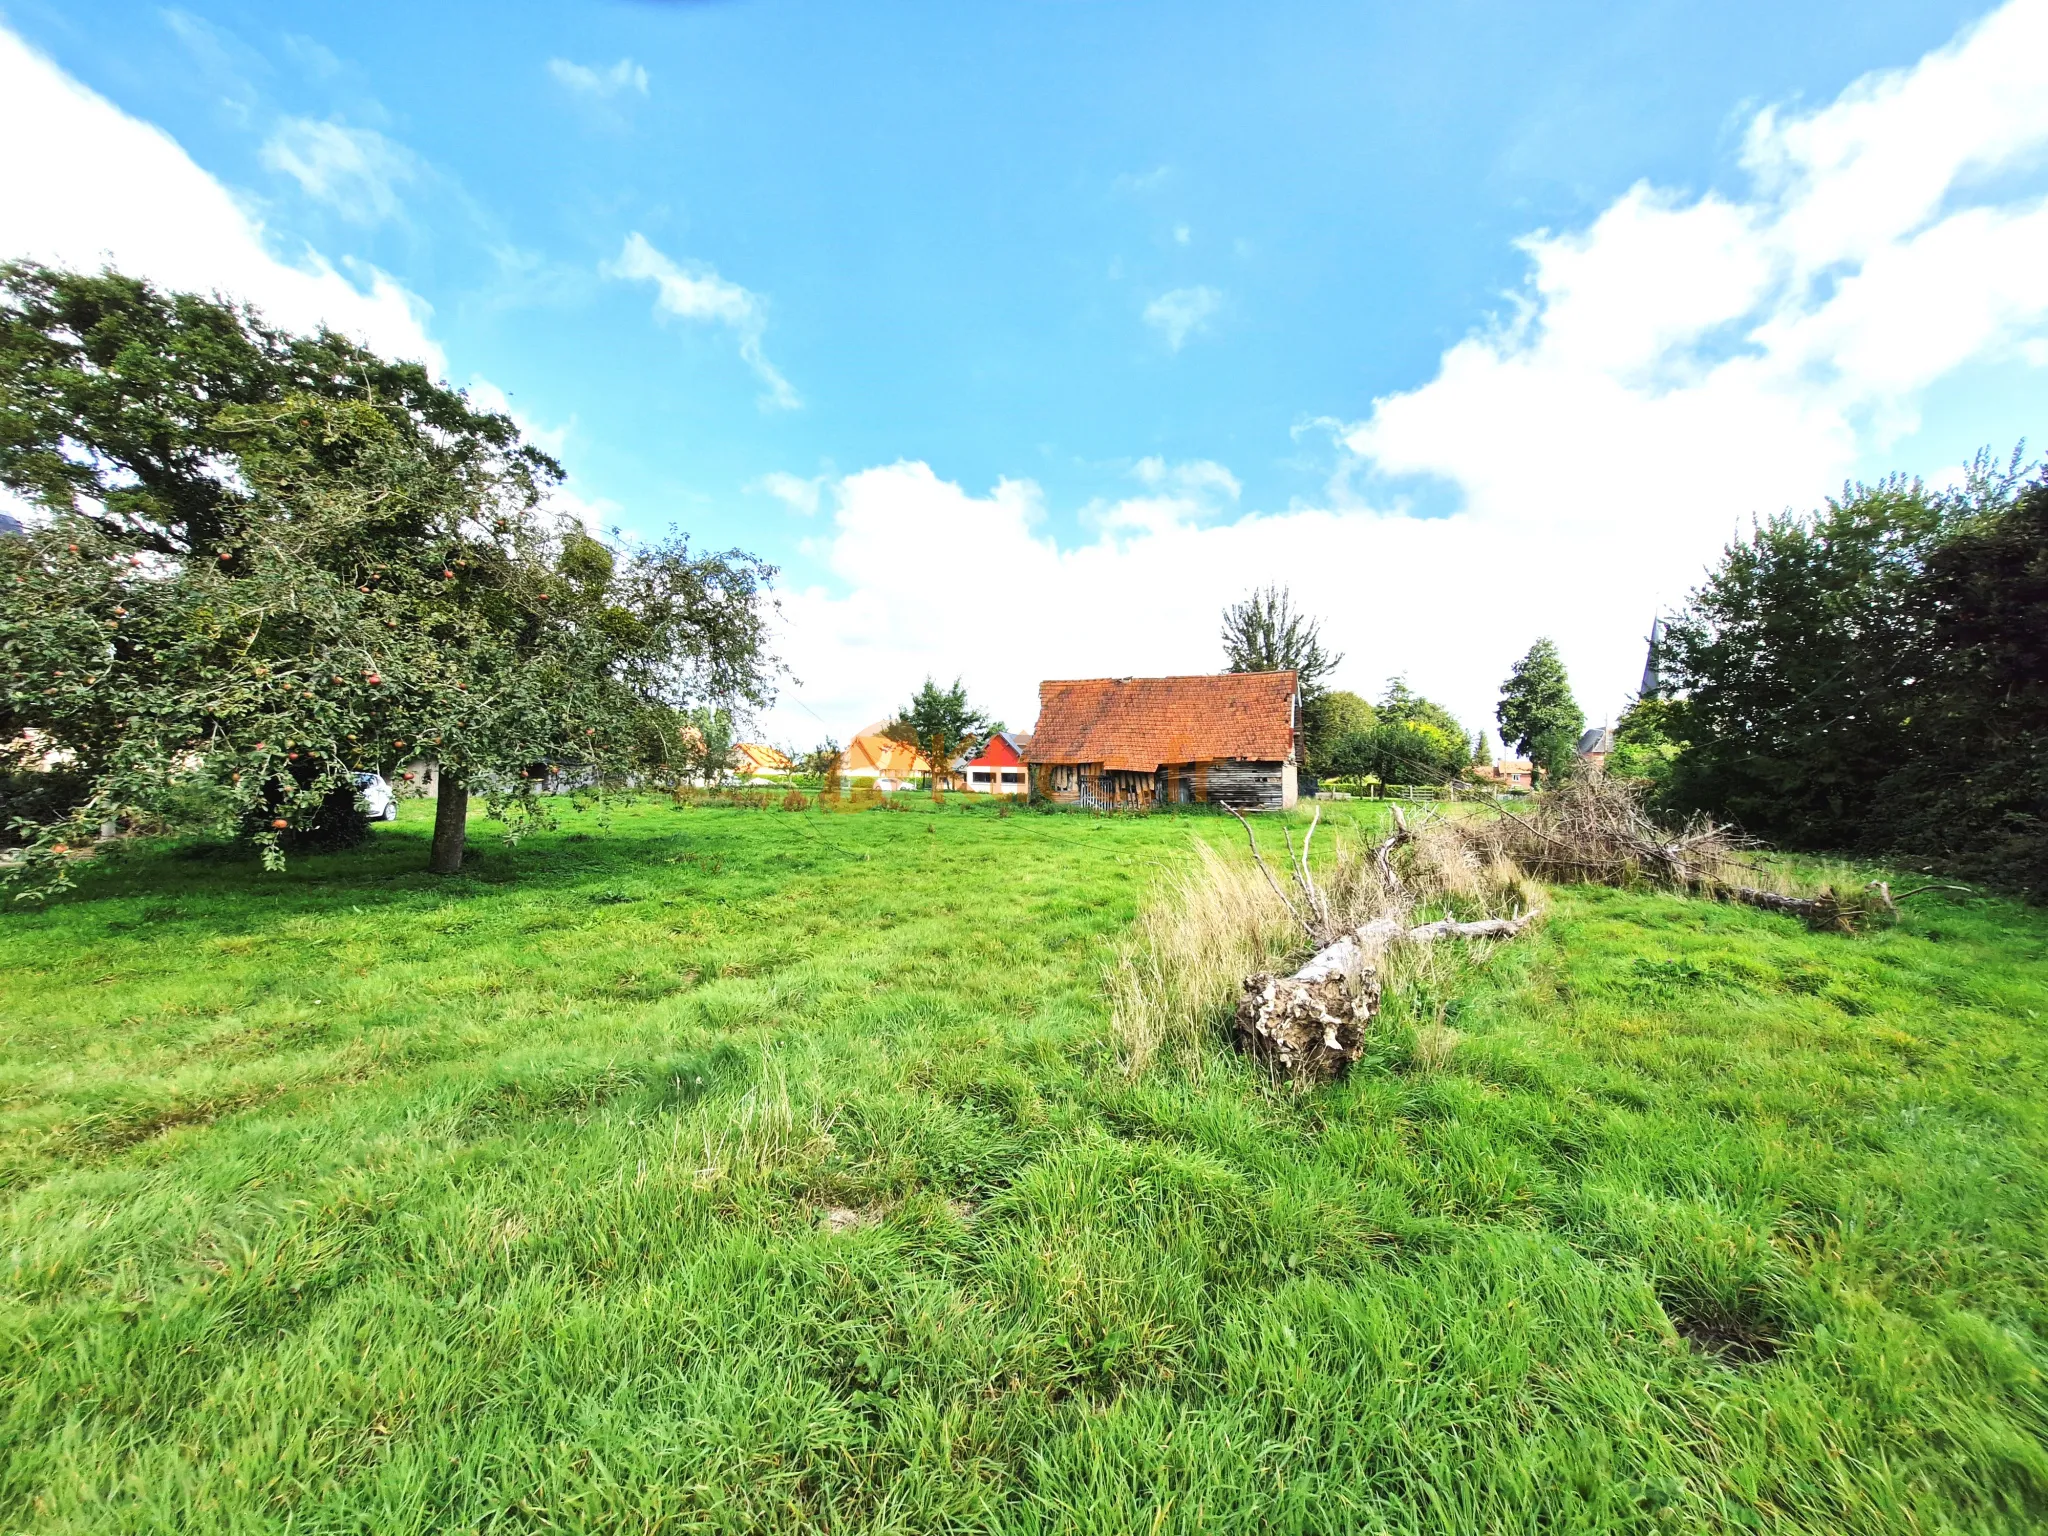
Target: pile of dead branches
{"points": [[1595, 829]]}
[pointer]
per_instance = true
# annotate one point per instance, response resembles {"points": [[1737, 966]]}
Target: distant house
{"points": [[998, 768], [1232, 738], [888, 764], [1594, 745], [751, 760], [1510, 773]]}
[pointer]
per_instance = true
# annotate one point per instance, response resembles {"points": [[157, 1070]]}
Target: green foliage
{"points": [[941, 724], [131, 407], [1555, 753], [267, 588], [736, 1170], [1971, 788], [1338, 713], [820, 760], [1871, 676], [1537, 712], [1790, 658], [1402, 705], [1481, 756], [1400, 752], [1647, 740], [1263, 633], [710, 737]]}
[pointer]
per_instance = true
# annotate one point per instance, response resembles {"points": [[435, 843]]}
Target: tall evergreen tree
{"points": [[1537, 712]]}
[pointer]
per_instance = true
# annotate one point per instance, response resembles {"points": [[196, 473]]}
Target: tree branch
{"points": [[1259, 858]]}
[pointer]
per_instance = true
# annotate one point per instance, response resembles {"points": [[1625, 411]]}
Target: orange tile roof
{"points": [[1137, 723], [871, 751], [759, 757]]}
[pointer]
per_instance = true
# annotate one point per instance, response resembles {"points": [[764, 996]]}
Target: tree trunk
{"points": [[451, 816], [1310, 1027], [1828, 912]]}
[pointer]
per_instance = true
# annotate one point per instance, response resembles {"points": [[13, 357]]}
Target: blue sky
{"points": [[1127, 284]]}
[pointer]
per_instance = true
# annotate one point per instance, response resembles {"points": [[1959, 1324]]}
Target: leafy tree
{"points": [[1792, 658], [1341, 713], [1263, 633], [1537, 712], [1647, 740], [341, 567], [941, 724], [1971, 788], [821, 760], [1555, 753], [129, 407], [1481, 758], [1401, 704], [710, 749], [1871, 676], [1400, 752]]}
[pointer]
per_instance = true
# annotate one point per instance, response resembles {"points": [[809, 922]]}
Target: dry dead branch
{"points": [[1595, 829]]}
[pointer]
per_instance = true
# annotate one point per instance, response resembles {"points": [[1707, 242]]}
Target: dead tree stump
{"points": [[1307, 1031], [1310, 1027]]}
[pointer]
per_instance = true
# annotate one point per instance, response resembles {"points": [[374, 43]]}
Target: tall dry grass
{"points": [[1218, 919], [1211, 924]]}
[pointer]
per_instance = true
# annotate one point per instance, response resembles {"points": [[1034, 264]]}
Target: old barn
{"points": [[1232, 738]]}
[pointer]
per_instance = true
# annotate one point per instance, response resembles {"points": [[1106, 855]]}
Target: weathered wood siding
{"points": [[1252, 786], [1246, 785]]}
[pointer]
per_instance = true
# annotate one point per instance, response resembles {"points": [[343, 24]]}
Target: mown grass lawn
{"points": [[739, 1171]]}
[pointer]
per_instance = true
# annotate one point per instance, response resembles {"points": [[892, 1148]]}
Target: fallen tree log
{"points": [[1310, 1027], [1828, 912]]}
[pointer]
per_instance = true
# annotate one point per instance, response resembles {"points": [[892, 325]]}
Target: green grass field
{"points": [[718, 1170]]}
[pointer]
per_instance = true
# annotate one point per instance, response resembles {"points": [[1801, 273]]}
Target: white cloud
{"points": [[699, 293], [486, 396], [598, 515], [1198, 478], [1132, 183], [800, 495], [103, 187], [355, 171], [1182, 234], [602, 84], [1670, 369], [1181, 312]]}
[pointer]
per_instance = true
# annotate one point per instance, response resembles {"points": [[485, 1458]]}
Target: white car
{"points": [[378, 800]]}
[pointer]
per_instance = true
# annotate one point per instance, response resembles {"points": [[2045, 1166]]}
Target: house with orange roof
{"points": [[875, 756], [752, 760], [1231, 739]]}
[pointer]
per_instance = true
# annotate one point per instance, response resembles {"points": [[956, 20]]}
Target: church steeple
{"points": [[1653, 683]]}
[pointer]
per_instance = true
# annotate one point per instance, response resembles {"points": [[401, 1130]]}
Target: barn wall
{"points": [[1231, 781], [1249, 785]]}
